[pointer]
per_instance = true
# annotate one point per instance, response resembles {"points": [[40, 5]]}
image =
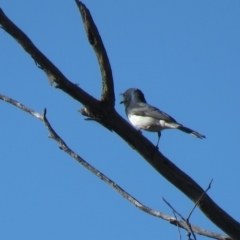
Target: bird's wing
{"points": [[144, 109]]}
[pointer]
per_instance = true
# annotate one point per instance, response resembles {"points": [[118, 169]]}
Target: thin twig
{"points": [[189, 227], [209, 186], [179, 233], [187, 219], [21, 106], [174, 210]]}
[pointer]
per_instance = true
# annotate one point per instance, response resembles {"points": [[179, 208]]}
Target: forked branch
{"points": [[102, 112]]}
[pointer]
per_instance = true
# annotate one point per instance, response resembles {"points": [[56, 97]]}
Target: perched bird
{"points": [[146, 117]]}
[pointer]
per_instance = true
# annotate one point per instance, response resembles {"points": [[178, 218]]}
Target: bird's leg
{"points": [[159, 135]]}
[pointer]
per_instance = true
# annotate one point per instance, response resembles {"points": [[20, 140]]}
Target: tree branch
{"points": [[53, 73], [95, 40], [195, 205], [190, 230], [112, 120], [63, 146]]}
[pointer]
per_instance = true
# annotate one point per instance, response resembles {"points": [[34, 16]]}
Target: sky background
{"points": [[184, 56]]}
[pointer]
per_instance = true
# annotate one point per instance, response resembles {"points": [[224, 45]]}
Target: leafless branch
{"points": [[110, 119], [63, 146], [95, 40], [53, 73], [189, 227], [195, 205], [187, 219], [179, 233]]}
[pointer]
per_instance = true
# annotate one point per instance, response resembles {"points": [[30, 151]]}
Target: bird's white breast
{"points": [[150, 124], [145, 123]]}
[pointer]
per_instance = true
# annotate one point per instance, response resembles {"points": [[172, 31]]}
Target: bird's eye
{"points": [[124, 94]]}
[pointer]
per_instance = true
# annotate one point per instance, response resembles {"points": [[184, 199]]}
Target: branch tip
{"points": [[44, 112], [94, 38]]}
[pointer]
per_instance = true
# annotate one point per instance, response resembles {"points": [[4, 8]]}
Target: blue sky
{"points": [[184, 55]]}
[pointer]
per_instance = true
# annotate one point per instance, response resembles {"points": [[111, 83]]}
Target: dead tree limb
{"points": [[103, 112], [95, 40], [63, 146]]}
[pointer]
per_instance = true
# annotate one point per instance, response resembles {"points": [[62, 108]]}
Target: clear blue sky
{"points": [[184, 55]]}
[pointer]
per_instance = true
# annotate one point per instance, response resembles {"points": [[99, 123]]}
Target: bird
{"points": [[146, 117]]}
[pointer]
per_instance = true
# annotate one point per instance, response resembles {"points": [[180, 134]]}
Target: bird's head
{"points": [[132, 95]]}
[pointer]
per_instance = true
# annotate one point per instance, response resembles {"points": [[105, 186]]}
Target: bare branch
{"points": [[179, 233], [19, 105], [173, 209], [112, 120], [52, 72], [96, 172], [95, 40], [209, 186], [189, 226]]}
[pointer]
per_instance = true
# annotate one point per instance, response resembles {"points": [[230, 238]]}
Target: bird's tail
{"points": [[190, 131]]}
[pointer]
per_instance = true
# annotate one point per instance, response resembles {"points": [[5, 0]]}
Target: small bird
{"points": [[146, 117]]}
